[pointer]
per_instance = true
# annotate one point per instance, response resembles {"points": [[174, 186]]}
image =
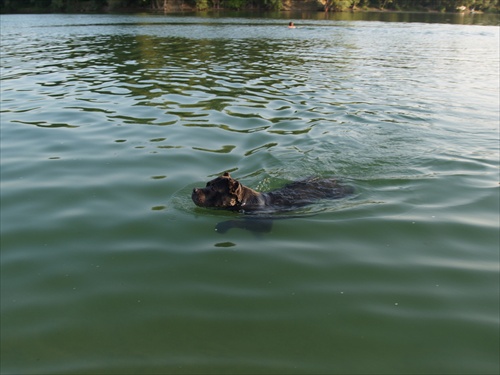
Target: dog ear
{"points": [[235, 188], [226, 174]]}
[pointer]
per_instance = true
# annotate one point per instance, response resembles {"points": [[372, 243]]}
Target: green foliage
{"points": [[12, 6], [383, 3], [234, 4], [202, 4], [339, 5], [273, 4]]}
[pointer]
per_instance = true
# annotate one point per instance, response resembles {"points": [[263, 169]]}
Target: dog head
{"points": [[221, 192]]}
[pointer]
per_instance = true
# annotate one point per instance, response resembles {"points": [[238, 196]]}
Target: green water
{"points": [[109, 121]]}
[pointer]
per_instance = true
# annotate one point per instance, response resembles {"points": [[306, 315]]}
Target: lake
{"points": [[109, 121]]}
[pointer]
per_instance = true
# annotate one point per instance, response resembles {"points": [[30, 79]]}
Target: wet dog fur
{"points": [[227, 193]]}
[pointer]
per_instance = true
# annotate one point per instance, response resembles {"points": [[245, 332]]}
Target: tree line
{"points": [[27, 6]]}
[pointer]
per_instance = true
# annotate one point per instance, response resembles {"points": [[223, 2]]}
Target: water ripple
{"points": [[109, 121]]}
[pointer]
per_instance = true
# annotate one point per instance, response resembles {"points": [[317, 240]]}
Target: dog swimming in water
{"points": [[224, 192], [227, 193]]}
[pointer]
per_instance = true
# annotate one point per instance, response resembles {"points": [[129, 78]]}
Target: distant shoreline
{"points": [[181, 11], [184, 8]]}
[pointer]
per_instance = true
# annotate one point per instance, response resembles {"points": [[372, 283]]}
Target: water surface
{"points": [[109, 121]]}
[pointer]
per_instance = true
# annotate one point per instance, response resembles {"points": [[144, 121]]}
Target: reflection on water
{"points": [[108, 122]]}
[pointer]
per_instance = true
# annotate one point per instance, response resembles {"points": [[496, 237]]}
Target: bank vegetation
{"points": [[88, 6]]}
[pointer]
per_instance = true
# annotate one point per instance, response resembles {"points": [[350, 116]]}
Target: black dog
{"points": [[227, 193]]}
